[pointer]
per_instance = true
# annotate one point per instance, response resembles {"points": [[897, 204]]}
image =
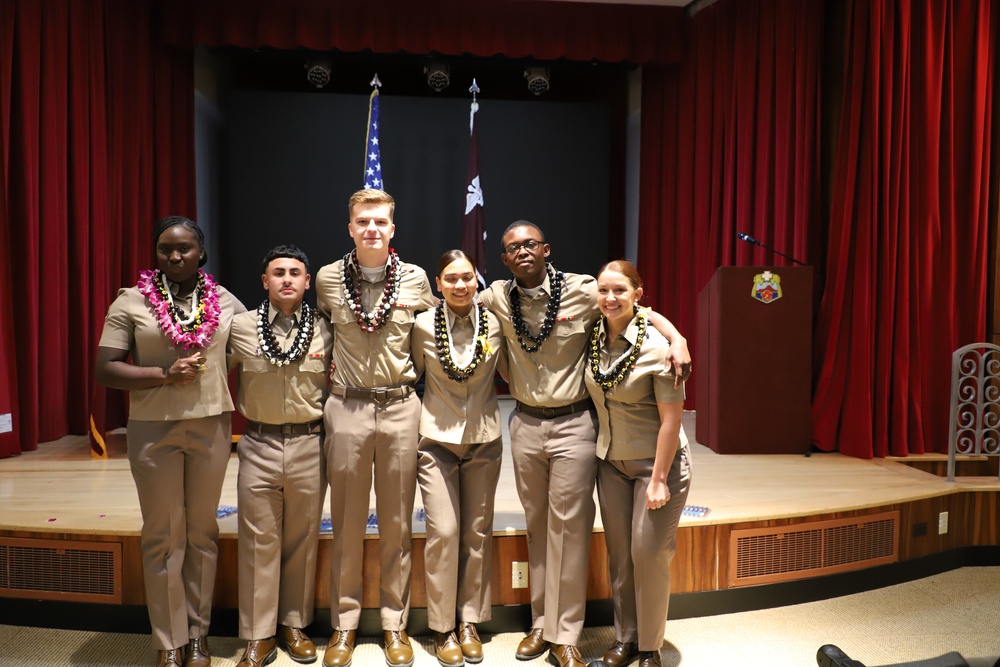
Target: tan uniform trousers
{"points": [[641, 544], [555, 467], [281, 489], [458, 484], [363, 434], [178, 468]]}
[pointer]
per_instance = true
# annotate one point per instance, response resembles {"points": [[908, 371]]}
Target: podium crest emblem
{"points": [[766, 287]]}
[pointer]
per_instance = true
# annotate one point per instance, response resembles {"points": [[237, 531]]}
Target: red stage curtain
{"points": [[9, 443], [909, 216], [97, 138], [730, 143], [513, 28]]}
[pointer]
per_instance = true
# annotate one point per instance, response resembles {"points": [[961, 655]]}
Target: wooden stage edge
{"points": [[70, 524]]}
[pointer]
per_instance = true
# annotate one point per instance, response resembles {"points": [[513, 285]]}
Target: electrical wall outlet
{"points": [[518, 574], [942, 523]]}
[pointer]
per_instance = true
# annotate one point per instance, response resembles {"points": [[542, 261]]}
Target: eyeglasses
{"points": [[513, 248]]}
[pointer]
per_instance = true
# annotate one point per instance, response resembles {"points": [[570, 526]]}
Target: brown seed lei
{"points": [[442, 338], [626, 362], [556, 279], [373, 321], [269, 346]]}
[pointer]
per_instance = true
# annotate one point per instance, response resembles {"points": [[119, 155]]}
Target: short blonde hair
{"points": [[370, 196]]}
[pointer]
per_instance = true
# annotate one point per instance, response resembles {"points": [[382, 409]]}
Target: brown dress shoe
{"points": [[531, 646], [621, 654], [259, 652], [169, 658], [448, 650], [649, 659], [472, 646], [566, 655], [341, 648], [298, 646], [197, 653], [398, 652]]}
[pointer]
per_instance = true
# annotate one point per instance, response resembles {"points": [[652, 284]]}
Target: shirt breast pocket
{"points": [[402, 316], [258, 365], [341, 316], [566, 328], [313, 365]]}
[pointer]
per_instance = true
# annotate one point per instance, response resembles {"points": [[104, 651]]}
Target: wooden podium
{"points": [[754, 360]]}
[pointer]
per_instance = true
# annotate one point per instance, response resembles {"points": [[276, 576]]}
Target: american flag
{"points": [[373, 156], [473, 225]]}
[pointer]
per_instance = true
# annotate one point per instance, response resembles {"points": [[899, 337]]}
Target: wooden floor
{"points": [[61, 488], [61, 491]]}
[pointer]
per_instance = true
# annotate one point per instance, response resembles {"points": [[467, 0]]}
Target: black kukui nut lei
{"points": [[442, 341], [269, 346], [617, 374], [556, 279]]}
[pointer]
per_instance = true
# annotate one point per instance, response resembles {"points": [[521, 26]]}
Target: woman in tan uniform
{"points": [[164, 340], [644, 472], [457, 345]]}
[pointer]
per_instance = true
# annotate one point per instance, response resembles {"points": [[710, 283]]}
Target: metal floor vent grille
{"points": [[768, 555], [61, 570]]}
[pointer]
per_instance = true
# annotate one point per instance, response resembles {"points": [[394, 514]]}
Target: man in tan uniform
{"points": [[283, 349], [547, 317], [371, 417]]}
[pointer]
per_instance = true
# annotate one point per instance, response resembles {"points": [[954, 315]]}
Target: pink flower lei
{"points": [[193, 331]]}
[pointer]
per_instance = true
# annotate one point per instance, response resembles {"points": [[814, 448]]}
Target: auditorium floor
{"points": [[61, 488]]}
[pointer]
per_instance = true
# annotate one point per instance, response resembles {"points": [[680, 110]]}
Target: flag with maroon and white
{"points": [[473, 225]]}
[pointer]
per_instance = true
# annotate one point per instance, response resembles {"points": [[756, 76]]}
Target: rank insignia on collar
{"points": [[766, 287]]}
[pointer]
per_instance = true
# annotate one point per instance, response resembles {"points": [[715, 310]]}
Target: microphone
{"points": [[743, 236]]}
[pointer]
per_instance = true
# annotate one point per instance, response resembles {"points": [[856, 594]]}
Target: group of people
{"points": [[329, 397]]}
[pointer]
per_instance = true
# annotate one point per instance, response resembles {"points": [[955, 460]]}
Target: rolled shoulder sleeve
{"points": [[119, 328]]}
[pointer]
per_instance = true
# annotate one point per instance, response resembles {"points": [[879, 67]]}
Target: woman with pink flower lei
{"points": [[164, 341]]}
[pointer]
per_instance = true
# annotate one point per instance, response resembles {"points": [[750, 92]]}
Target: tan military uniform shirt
{"points": [[459, 413], [131, 325], [552, 376], [382, 358], [272, 394], [628, 417]]}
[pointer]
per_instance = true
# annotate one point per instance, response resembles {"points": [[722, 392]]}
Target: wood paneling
{"points": [[696, 562], [70, 496]]}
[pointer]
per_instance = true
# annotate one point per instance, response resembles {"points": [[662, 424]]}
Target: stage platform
{"points": [[70, 524]]}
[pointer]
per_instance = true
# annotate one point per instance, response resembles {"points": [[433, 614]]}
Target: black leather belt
{"points": [[303, 428], [379, 394], [552, 413]]}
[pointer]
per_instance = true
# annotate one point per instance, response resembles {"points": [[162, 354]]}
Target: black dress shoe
{"points": [[197, 653], [531, 646], [649, 659], [259, 652], [169, 658], [566, 655], [621, 654], [298, 646]]}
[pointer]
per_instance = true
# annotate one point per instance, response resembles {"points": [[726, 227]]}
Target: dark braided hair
{"points": [[166, 223]]}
